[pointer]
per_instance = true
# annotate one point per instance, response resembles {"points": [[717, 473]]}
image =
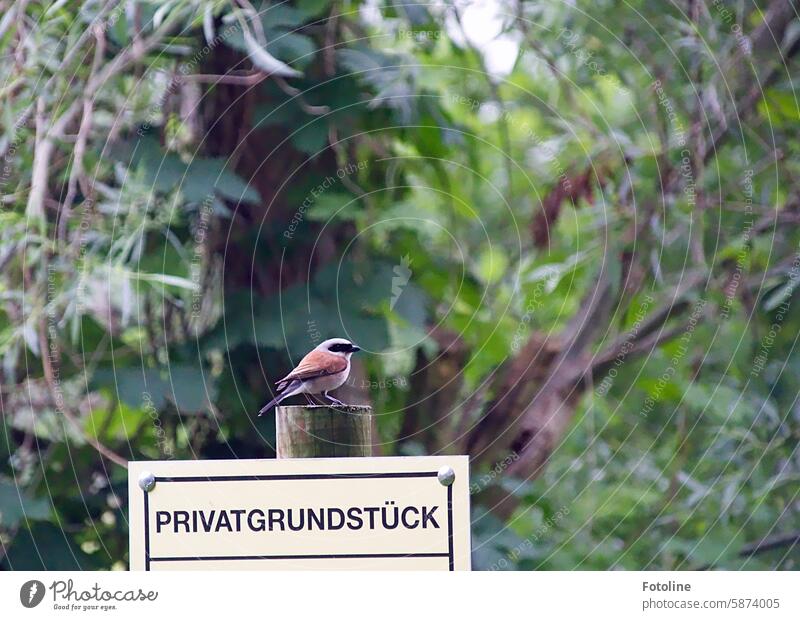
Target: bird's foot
{"points": [[335, 401]]}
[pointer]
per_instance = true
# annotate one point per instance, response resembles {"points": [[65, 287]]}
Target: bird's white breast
{"points": [[329, 382]]}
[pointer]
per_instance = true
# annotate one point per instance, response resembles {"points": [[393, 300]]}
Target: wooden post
{"points": [[307, 431]]}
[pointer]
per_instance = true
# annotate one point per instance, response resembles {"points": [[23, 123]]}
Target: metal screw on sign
{"points": [[147, 481], [446, 475]]}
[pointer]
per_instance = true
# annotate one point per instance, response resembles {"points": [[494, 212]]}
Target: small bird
{"points": [[323, 369]]}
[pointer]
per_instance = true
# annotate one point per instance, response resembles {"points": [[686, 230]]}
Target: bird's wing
{"points": [[315, 364]]}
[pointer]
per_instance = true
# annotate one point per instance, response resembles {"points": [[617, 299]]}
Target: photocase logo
{"points": [[402, 274], [31, 593]]}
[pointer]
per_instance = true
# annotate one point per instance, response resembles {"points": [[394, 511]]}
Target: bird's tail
{"points": [[289, 390], [271, 404]]}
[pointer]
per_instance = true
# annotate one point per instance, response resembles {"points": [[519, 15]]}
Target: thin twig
{"points": [[329, 59], [49, 375], [50, 380], [770, 544], [43, 149], [79, 151], [314, 110], [249, 79]]}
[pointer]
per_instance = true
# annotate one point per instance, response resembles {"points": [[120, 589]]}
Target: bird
{"points": [[323, 369]]}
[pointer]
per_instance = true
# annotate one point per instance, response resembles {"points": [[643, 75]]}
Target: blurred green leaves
{"points": [[17, 505], [197, 179]]}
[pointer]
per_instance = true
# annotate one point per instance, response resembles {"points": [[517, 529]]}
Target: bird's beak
{"points": [[354, 348]]}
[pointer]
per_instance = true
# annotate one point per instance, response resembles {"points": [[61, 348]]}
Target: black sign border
{"points": [[258, 477]]}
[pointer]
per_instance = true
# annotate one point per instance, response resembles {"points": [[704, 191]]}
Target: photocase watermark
{"points": [[313, 332], [82, 264], [689, 188], [683, 347], [676, 124], [200, 234], [744, 252], [527, 544], [768, 341], [471, 103], [327, 183], [586, 58], [177, 79], [678, 133], [402, 274], [11, 150], [53, 352], [533, 303], [164, 446], [31, 593], [384, 383], [742, 40], [67, 597], [493, 474], [420, 36], [626, 346]]}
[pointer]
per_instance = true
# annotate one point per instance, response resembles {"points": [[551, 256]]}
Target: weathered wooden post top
{"points": [[308, 431]]}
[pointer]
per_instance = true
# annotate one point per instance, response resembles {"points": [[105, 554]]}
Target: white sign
{"points": [[388, 513]]}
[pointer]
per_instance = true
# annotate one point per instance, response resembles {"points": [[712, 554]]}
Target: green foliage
{"points": [[203, 226]]}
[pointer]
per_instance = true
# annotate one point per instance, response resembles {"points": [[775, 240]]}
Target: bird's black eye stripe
{"points": [[340, 348]]}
